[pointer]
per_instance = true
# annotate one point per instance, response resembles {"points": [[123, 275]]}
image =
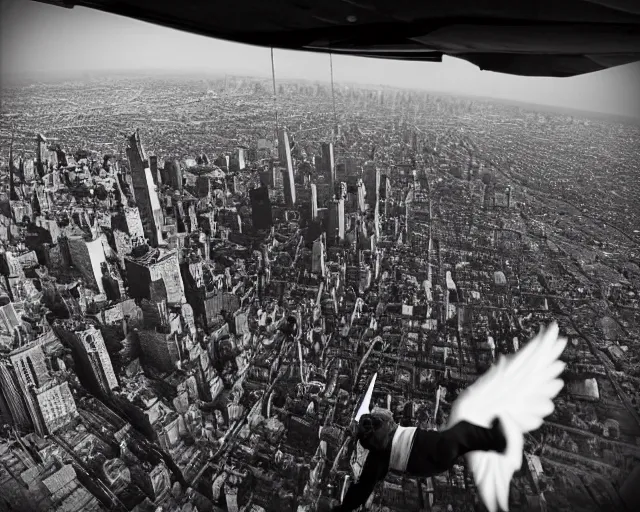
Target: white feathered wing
{"points": [[519, 390]]}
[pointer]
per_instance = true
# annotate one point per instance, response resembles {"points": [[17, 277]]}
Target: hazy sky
{"points": [[39, 37]]}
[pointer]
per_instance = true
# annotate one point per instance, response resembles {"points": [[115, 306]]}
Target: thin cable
{"points": [[275, 95], [333, 94]]}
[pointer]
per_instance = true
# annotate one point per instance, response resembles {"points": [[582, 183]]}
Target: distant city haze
{"points": [[37, 40]]}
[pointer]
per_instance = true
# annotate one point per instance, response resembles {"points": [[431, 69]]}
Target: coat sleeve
{"points": [[375, 469]]}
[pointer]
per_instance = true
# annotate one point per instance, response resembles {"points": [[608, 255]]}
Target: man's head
{"points": [[375, 431]]}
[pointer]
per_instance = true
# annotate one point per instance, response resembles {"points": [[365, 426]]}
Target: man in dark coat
{"points": [[414, 451]]}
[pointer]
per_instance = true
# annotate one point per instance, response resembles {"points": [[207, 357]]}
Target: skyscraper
{"points": [[240, 157], [164, 266], [317, 257], [284, 152], [145, 191], [171, 174], [314, 201], [42, 156], [335, 221], [90, 353], [153, 165], [288, 188], [260, 208], [57, 406], [13, 397], [361, 196], [49, 404], [88, 257], [372, 179], [328, 162]]}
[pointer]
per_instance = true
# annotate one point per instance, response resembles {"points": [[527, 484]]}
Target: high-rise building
{"points": [[155, 174], [317, 257], [451, 297], [6, 418], [223, 161], [171, 174], [361, 197], [408, 215], [314, 201], [144, 190], [88, 258], [328, 163], [335, 221], [57, 406], [288, 188], [240, 157], [372, 181], [9, 318], [13, 397], [284, 152], [161, 338], [13, 170], [50, 404], [276, 177], [341, 190], [31, 372], [43, 153], [341, 171], [92, 357], [376, 221], [163, 266], [261, 208], [26, 169]]}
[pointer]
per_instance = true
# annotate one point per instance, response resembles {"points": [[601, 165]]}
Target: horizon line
{"points": [[47, 76]]}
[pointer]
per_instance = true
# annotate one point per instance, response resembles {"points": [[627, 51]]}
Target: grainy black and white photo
{"points": [[319, 256]]}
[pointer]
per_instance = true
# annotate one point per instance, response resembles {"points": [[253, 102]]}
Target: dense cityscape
{"points": [[200, 277]]}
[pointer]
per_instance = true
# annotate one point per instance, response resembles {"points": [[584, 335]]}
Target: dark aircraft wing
{"points": [[521, 37]]}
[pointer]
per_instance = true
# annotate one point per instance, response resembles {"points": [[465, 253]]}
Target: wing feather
{"points": [[366, 401], [502, 491], [519, 389]]}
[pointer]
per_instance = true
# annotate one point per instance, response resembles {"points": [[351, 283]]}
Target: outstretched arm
{"points": [[375, 469]]}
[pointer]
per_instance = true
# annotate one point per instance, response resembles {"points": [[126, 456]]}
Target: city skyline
{"points": [[210, 296], [93, 41]]}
